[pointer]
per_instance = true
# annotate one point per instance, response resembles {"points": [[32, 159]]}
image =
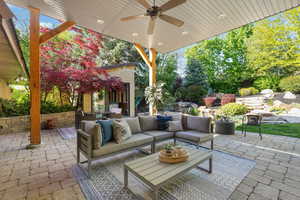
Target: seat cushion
{"points": [[194, 136], [160, 135], [112, 147], [148, 123], [134, 124], [201, 124]]}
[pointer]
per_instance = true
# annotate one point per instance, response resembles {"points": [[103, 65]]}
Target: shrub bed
{"points": [[291, 83], [232, 109], [248, 91]]}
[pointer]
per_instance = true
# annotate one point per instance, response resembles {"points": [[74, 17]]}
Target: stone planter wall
{"points": [[22, 123]]}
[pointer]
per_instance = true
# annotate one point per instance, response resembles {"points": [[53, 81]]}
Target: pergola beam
{"points": [[54, 32], [151, 63], [35, 83]]}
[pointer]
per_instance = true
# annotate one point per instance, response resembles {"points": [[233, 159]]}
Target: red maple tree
{"points": [[70, 64]]}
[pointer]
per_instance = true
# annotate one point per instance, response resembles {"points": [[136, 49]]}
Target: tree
{"points": [[224, 60], [195, 74], [274, 47]]}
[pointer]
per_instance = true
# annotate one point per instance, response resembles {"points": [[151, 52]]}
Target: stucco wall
{"points": [[127, 75], [5, 92], [22, 123]]}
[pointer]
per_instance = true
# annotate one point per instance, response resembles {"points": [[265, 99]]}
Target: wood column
{"points": [[35, 81], [151, 63], [35, 86]]}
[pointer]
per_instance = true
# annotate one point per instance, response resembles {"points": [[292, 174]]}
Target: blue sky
{"points": [[22, 16]]}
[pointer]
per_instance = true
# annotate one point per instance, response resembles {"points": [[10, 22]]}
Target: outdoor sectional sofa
{"points": [[196, 130]]}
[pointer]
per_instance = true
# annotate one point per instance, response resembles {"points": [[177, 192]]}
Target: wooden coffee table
{"points": [[154, 173]]}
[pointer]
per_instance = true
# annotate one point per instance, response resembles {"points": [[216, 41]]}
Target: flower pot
{"points": [[209, 101]]}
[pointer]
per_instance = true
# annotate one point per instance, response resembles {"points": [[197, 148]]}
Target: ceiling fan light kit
{"points": [[154, 12]]}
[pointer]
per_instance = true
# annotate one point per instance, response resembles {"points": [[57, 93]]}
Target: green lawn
{"points": [[291, 130]]}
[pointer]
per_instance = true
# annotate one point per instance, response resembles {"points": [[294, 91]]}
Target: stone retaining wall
{"points": [[22, 123]]}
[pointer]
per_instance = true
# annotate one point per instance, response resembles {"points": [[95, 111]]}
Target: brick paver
{"points": [[45, 173]]}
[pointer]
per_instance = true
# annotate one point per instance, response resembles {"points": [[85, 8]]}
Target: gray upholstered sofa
{"points": [[145, 132]]}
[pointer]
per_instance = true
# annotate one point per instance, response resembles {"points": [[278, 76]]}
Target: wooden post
{"points": [[35, 82], [35, 137], [151, 63]]}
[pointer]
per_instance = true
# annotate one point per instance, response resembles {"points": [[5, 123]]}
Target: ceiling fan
{"points": [[155, 12]]}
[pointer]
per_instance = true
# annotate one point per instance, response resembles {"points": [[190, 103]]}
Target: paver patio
{"points": [[45, 173]]}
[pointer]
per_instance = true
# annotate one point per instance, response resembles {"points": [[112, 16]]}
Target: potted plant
{"points": [[155, 95], [168, 149]]}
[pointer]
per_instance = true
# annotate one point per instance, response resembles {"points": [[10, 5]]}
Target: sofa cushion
{"points": [[134, 124], [112, 147], [148, 123], [175, 126], [162, 122], [194, 136], [160, 135], [107, 133], [121, 131], [201, 124], [94, 129]]}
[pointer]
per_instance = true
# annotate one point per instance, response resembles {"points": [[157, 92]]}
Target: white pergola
{"points": [[203, 19]]}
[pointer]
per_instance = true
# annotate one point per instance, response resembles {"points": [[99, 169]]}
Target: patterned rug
{"points": [[106, 182], [67, 133]]}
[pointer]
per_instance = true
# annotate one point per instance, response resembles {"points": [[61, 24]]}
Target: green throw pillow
{"points": [[107, 133]]}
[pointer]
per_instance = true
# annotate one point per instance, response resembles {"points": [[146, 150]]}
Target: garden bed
{"points": [[22, 123]]}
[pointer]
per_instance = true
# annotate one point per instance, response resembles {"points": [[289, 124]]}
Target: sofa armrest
{"points": [[84, 143]]}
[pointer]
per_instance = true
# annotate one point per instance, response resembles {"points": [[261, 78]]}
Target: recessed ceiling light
{"points": [[185, 33], [135, 34], [160, 44], [222, 16], [100, 21]]}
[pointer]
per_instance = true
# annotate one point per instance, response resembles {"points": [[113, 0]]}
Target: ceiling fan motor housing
{"points": [[153, 11]]}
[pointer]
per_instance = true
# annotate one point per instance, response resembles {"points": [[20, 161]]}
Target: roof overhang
{"points": [[203, 18], [12, 62]]}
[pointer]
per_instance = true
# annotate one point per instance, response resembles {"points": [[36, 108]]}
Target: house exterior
{"points": [[105, 100], [12, 63]]}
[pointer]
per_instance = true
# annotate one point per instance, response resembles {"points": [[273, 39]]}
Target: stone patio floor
{"points": [[45, 173]]}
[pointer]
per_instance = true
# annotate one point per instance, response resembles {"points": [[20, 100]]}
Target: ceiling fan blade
{"points": [[131, 17], [144, 3], [151, 26], [171, 4], [171, 20], [5, 12]]}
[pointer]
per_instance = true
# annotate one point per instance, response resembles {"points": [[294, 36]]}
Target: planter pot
{"points": [[225, 127], [227, 98], [209, 101]]}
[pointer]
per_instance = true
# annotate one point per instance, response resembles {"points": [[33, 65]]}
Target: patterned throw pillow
{"points": [[175, 126], [121, 131]]}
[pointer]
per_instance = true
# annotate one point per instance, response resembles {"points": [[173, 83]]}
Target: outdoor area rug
{"points": [[106, 182], [67, 133]]}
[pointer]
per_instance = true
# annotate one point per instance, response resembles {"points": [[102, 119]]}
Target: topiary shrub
{"points": [[248, 91], [291, 84], [227, 98], [232, 109]]}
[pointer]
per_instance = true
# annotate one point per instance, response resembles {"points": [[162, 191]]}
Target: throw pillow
{"points": [[175, 126], [94, 129], [202, 124], [148, 123], [107, 134], [134, 124], [162, 122], [121, 131], [176, 116]]}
